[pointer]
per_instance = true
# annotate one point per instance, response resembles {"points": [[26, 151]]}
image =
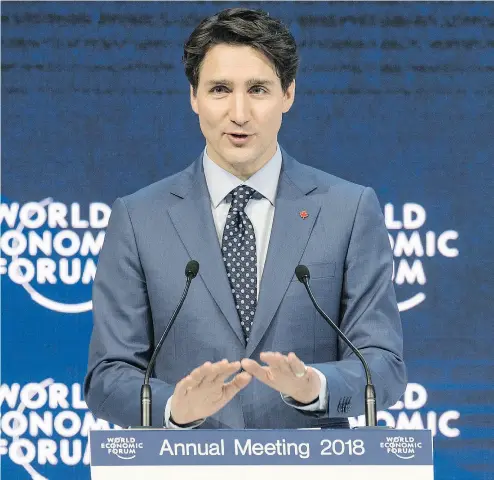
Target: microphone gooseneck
{"points": [[191, 270], [303, 275]]}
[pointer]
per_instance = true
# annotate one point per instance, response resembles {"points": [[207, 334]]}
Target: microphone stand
{"points": [[303, 275], [191, 271]]}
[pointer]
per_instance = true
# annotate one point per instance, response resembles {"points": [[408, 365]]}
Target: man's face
{"points": [[240, 102]]}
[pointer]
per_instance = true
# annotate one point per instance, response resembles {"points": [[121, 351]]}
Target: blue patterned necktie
{"points": [[239, 254]]}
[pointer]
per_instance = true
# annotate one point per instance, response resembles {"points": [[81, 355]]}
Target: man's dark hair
{"points": [[243, 26]]}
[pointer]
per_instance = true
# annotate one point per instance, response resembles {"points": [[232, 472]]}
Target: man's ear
{"points": [[193, 100], [289, 97]]}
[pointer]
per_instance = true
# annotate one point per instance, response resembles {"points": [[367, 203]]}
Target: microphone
{"points": [[191, 270], [303, 276]]}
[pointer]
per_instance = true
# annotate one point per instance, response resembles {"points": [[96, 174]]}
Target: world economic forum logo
{"points": [[49, 247], [413, 246], [401, 447], [124, 448]]}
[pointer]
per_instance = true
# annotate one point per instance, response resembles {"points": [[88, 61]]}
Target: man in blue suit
{"points": [[249, 214]]}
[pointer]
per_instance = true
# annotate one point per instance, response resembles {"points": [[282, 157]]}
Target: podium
{"points": [[373, 454]]}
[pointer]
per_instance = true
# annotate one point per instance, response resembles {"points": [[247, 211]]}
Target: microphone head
{"points": [[191, 269], [302, 273]]}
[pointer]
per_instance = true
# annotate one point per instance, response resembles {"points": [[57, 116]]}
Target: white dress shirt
{"points": [[260, 212]]}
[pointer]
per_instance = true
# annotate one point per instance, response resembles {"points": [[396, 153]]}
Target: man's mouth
{"points": [[238, 135], [239, 139]]}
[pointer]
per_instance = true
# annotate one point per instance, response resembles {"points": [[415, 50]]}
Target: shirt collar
{"points": [[220, 182]]}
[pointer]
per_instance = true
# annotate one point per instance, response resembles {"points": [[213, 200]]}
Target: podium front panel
{"points": [[374, 454]]}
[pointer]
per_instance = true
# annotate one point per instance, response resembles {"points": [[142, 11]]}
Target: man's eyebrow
{"points": [[259, 81], [249, 83]]}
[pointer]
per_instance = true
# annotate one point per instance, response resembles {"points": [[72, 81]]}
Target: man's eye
{"points": [[218, 89], [258, 90]]}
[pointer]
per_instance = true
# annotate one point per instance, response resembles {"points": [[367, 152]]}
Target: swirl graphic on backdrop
{"points": [[74, 248], [47, 424], [20, 409], [47, 302], [412, 246], [411, 302]]}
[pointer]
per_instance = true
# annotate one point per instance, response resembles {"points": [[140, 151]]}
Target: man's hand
{"points": [[287, 374], [203, 392]]}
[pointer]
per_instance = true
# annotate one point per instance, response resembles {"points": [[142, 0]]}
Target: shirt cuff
{"points": [[169, 424], [320, 405]]}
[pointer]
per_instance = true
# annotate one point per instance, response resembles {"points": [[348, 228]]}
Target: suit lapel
{"points": [[289, 236], [193, 220]]}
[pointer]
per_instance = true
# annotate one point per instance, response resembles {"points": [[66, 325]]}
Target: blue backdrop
{"points": [[397, 96]]}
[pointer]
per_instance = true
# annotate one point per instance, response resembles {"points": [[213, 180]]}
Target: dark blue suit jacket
{"points": [[153, 233]]}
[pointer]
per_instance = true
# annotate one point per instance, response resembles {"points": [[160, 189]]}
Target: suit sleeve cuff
{"points": [[319, 405], [168, 423]]}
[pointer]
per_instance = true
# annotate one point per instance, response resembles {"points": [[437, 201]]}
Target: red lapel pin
{"points": [[303, 214]]}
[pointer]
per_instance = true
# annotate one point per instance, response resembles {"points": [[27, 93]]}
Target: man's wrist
{"points": [[296, 403], [311, 402], [168, 421], [320, 404], [184, 425]]}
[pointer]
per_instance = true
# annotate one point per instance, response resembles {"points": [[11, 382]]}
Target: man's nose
{"points": [[239, 109]]}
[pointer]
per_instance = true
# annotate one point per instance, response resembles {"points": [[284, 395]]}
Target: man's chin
{"points": [[242, 163], [242, 166], [239, 156]]}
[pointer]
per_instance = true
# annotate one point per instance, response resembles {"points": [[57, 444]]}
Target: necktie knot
{"points": [[240, 197]]}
